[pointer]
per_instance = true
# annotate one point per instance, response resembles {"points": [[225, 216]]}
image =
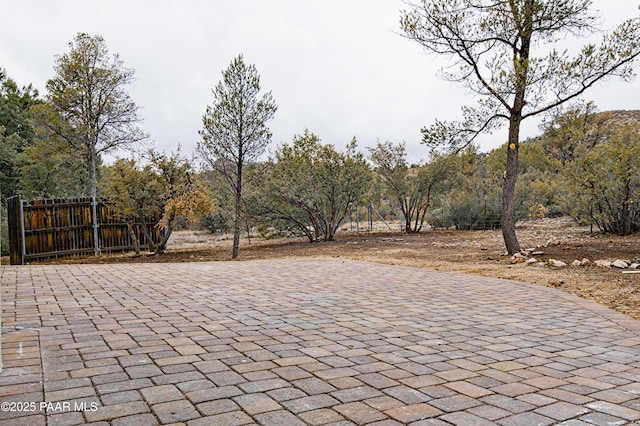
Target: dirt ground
{"points": [[468, 252]]}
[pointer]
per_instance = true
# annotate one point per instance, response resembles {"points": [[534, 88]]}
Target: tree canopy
{"points": [[16, 131], [235, 131], [314, 187], [166, 187], [87, 102], [412, 189]]}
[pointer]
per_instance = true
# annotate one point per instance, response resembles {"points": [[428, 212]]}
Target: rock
{"points": [[517, 258], [585, 262], [634, 266], [576, 263], [602, 264], [552, 242], [531, 260], [621, 264], [557, 263], [537, 253]]}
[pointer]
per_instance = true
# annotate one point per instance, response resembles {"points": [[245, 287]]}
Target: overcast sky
{"points": [[337, 67]]}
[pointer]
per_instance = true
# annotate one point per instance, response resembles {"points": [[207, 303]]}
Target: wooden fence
{"points": [[45, 229]]}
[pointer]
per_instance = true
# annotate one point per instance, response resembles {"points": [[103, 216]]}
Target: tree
{"points": [[88, 105], [52, 169], [166, 187], [183, 193], [314, 187], [539, 185], [16, 134], [467, 199], [16, 131], [234, 131], [290, 194], [568, 131], [605, 183], [10, 161], [413, 189], [221, 220], [135, 193], [391, 167], [492, 43], [595, 154], [435, 178]]}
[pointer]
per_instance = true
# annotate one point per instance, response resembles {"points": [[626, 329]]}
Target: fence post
{"points": [[23, 238], [15, 220], [94, 212], [370, 214]]}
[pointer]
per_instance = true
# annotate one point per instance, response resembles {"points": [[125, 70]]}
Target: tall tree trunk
{"points": [[509, 189], [147, 234], [237, 229], [521, 65], [407, 212], [134, 238], [162, 244]]}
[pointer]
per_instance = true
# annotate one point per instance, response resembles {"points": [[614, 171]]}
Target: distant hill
{"points": [[617, 119], [623, 117], [603, 124]]}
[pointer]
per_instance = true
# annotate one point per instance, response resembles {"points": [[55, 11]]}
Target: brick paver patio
{"points": [[307, 342]]}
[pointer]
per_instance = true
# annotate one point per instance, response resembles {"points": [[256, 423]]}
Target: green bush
{"points": [[216, 222], [465, 211], [471, 213], [439, 218], [605, 184]]}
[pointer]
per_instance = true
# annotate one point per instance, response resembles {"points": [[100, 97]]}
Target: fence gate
{"points": [[65, 227]]}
